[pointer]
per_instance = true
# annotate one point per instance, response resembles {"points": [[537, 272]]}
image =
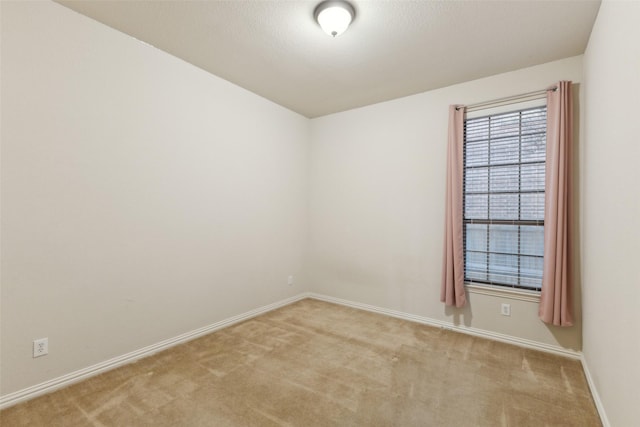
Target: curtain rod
{"points": [[508, 99]]}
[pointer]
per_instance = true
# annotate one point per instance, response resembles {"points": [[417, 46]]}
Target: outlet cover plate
{"points": [[505, 309], [40, 347]]}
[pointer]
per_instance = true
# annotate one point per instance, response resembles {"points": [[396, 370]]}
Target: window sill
{"points": [[494, 291]]}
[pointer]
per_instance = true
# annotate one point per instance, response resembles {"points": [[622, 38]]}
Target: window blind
{"points": [[504, 177]]}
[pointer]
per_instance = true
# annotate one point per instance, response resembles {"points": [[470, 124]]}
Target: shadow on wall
{"points": [[462, 315]]}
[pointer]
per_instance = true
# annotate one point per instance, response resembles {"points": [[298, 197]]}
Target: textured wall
{"points": [[611, 208], [141, 197], [377, 205]]}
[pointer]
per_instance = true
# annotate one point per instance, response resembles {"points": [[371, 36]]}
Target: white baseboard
{"points": [[594, 393], [82, 374], [458, 328]]}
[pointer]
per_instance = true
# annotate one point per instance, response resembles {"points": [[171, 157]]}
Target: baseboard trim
{"points": [[458, 328], [82, 374], [594, 393]]}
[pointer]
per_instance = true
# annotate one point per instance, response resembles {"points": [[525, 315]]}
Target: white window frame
{"points": [[491, 289]]}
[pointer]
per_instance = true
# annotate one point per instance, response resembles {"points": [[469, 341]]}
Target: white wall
{"points": [[611, 210], [141, 197], [377, 205]]}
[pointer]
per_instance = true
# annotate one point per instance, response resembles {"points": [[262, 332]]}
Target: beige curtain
{"points": [[556, 303], [452, 292]]}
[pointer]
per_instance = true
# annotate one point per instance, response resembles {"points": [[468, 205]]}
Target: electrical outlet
{"points": [[40, 347], [505, 309], [290, 281]]}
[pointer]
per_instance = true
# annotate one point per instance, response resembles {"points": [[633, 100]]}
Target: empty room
{"points": [[319, 213]]}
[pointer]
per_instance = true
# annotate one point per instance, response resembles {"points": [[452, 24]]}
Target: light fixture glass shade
{"points": [[334, 17]]}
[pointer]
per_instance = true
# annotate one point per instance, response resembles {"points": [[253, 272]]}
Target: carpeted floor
{"points": [[319, 364]]}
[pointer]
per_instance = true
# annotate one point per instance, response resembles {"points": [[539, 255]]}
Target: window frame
{"points": [[492, 287]]}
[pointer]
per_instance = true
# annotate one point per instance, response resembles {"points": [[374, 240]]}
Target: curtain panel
{"points": [[556, 298], [452, 292]]}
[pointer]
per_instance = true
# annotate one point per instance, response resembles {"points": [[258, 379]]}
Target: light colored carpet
{"points": [[319, 364]]}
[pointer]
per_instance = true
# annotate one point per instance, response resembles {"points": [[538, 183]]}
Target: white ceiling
{"points": [[394, 48]]}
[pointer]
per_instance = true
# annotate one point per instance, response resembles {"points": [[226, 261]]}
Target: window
{"points": [[504, 176]]}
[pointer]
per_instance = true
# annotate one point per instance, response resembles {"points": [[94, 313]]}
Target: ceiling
{"points": [[393, 48]]}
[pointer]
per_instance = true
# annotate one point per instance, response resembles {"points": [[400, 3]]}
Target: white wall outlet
{"points": [[290, 281], [40, 347], [505, 309]]}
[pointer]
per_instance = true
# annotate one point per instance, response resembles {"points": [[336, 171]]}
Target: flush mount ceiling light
{"points": [[334, 16]]}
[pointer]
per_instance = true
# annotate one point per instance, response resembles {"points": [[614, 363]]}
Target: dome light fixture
{"points": [[334, 16]]}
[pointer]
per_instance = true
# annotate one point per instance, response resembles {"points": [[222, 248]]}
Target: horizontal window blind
{"points": [[504, 175]]}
